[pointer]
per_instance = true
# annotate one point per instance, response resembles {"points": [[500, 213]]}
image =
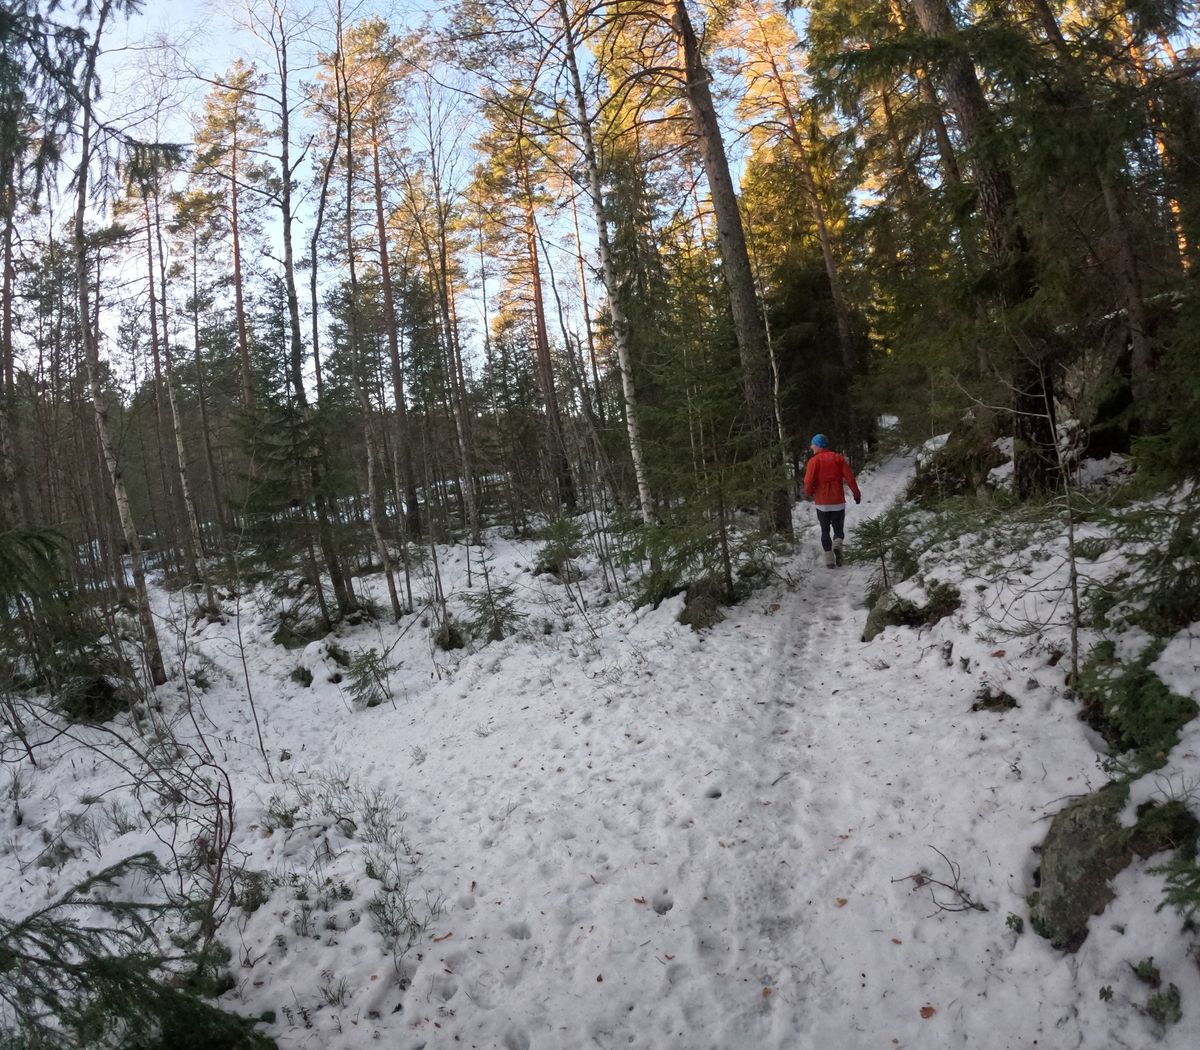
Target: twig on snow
{"points": [[961, 900]]}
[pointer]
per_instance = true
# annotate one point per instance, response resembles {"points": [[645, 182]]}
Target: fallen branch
{"points": [[961, 901]]}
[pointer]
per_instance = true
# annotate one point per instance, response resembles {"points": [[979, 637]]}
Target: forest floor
{"points": [[622, 833]]}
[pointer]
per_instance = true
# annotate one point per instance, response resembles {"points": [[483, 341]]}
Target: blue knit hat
{"points": [[819, 441]]}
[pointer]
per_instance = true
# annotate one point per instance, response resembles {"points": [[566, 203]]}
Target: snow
{"points": [[1001, 477], [1098, 473], [623, 833], [931, 447]]}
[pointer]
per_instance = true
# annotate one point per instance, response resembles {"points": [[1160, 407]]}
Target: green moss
{"points": [[1165, 1007], [1146, 972]]}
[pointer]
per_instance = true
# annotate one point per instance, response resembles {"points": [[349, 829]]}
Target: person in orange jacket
{"points": [[824, 477]]}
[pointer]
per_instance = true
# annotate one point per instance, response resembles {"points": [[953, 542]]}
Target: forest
{"points": [[503, 259], [299, 343]]}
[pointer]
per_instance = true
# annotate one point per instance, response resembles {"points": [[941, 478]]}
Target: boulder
{"points": [[890, 610], [1084, 848]]}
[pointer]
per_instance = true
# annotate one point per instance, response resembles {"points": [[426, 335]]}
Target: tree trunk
{"points": [[181, 537], [774, 504], [1165, 156], [612, 286], [191, 518], [154, 660], [202, 400], [412, 512], [556, 438], [1128, 275], [239, 304], [458, 391], [10, 512], [1035, 461]]}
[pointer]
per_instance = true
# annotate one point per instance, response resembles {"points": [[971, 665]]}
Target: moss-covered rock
{"points": [[1082, 851], [961, 466], [890, 610], [702, 604], [295, 633]]}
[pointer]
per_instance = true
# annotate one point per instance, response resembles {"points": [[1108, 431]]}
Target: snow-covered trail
{"points": [[700, 853], [649, 837], [695, 843]]}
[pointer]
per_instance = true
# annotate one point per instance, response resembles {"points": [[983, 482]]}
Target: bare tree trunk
{"points": [[239, 305], [181, 537], [10, 511], [601, 414], [541, 352], [774, 504], [202, 400], [195, 542], [375, 495], [154, 658], [462, 418], [612, 287], [403, 453]]}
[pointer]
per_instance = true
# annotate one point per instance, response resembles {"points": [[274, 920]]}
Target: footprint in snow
{"points": [[662, 902], [444, 987], [518, 931], [516, 1039]]}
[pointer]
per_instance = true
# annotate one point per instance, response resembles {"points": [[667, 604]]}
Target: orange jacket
{"points": [[823, 479]]}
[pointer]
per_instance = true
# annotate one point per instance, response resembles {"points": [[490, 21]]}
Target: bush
{"points": [[369, 675], [449, 635], [121, 984], [564, 542], [1183, 885], [1165, 1007], [1160, 592], [494, 613], [92, 698], [1131, 706]]}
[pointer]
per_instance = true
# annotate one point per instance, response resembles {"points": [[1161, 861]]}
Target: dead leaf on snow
{"points": [[927, 1011]]}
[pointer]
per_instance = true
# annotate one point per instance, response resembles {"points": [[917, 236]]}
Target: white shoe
{"points": [[830, 560], [837, 551]]}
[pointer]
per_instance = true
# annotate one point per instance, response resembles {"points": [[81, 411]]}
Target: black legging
{"points": [[836, 518]]}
